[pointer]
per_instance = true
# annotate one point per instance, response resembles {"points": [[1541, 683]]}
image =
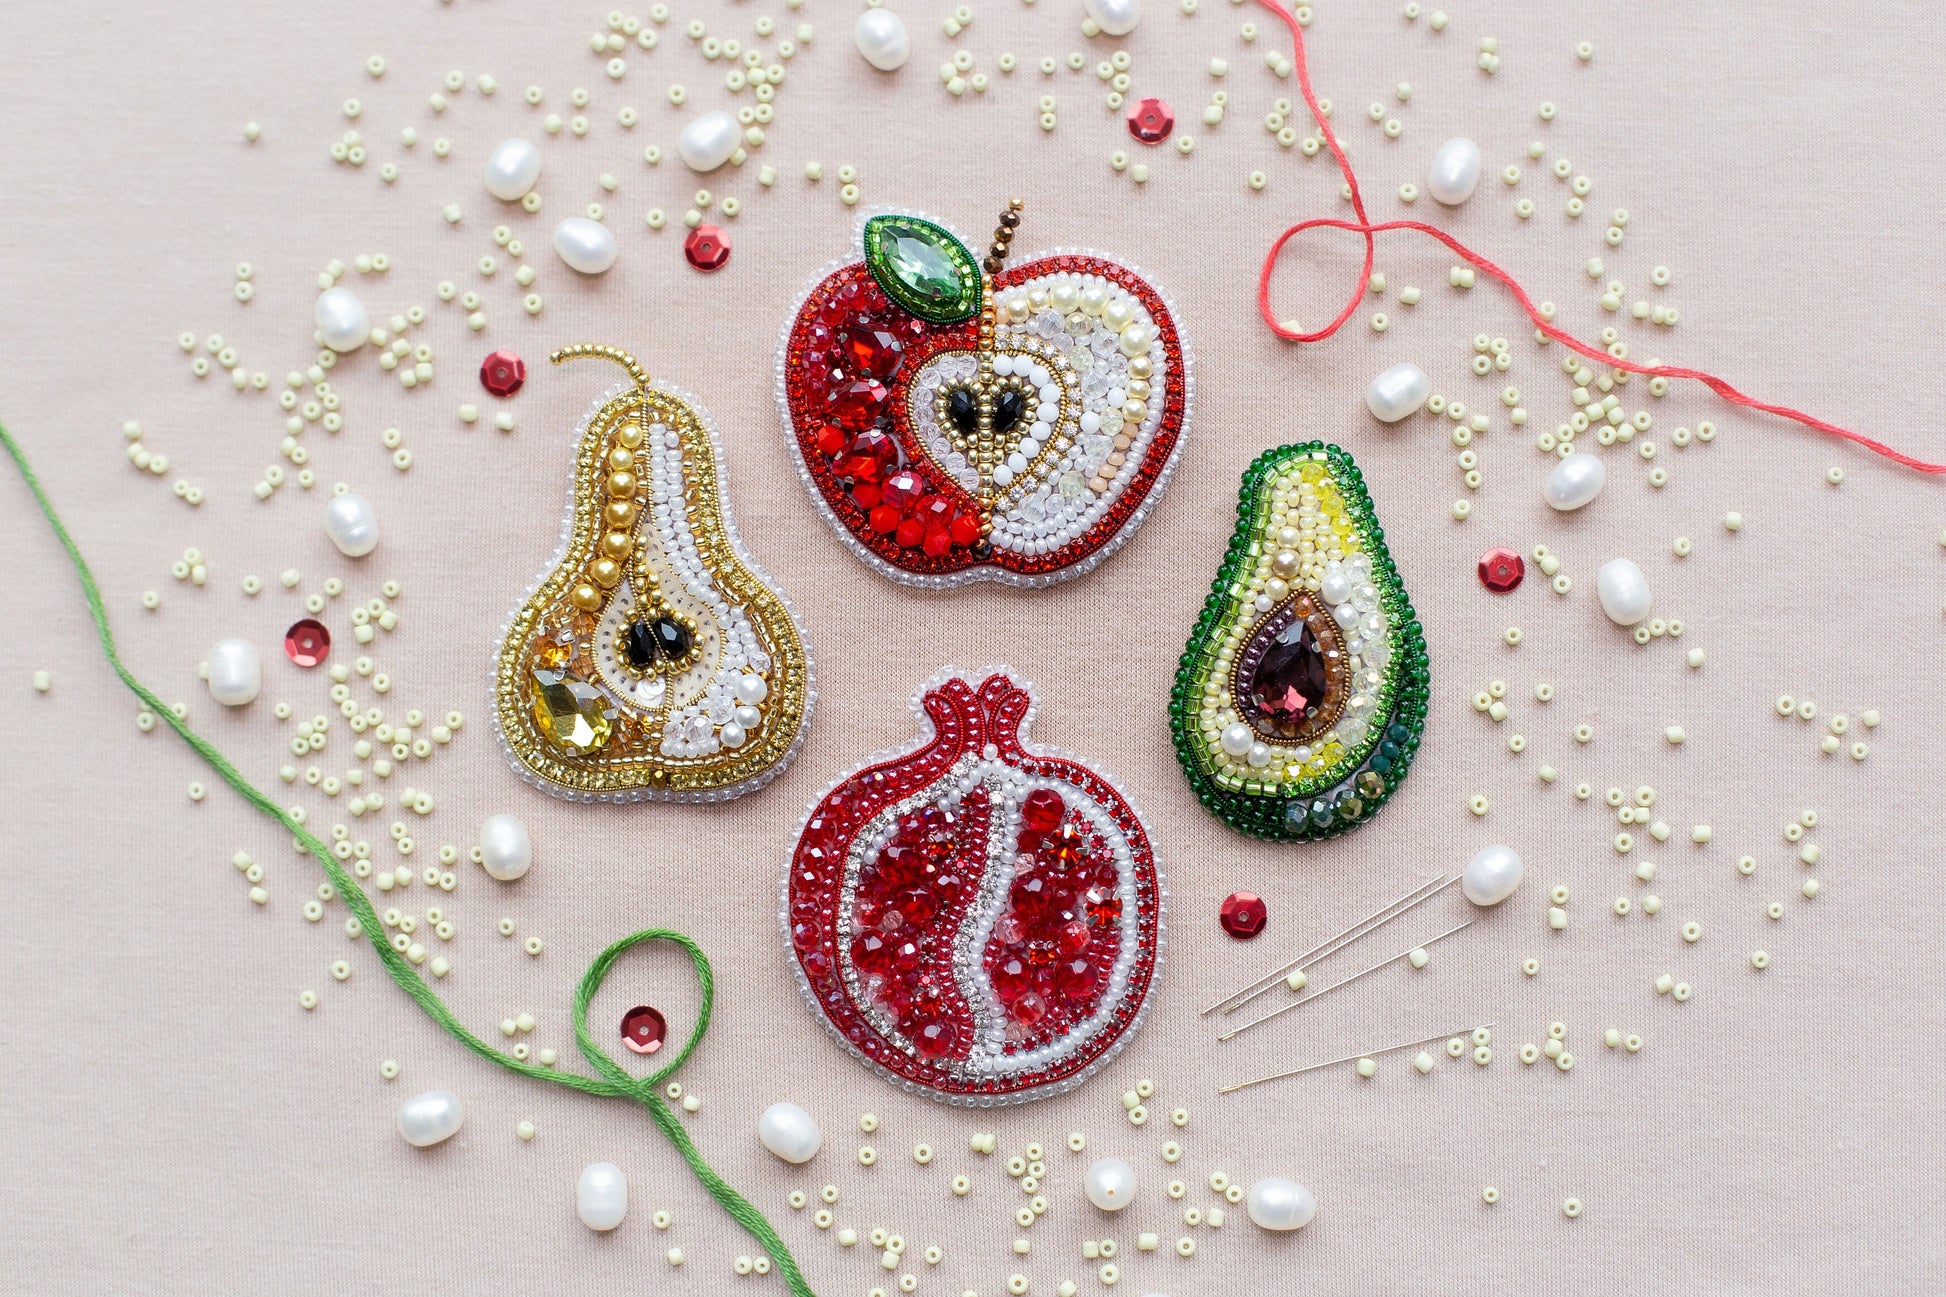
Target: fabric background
{"points": [[175, 1123]]}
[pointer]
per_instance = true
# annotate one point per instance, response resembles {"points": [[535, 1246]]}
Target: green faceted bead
{"points": [[922, 268]]}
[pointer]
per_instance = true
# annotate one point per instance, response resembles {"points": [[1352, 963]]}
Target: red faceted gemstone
{"points": [[502, 373], [1151, 120], [885, 518], [901, 489], [936, 1039], [1036, 898], [857, 406], [917, 905], [1072, 938], [1243, 915], [872, 952], [1028, 1009], [1501, 570], [707, 247], [643, 1029], [910, 533], [307, 643], [1012, 978], [1074, 977], [1043, 811], [964, 529], [873, 353]]}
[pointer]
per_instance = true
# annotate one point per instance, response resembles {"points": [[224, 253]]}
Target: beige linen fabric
{"points": [[176, 1123]]}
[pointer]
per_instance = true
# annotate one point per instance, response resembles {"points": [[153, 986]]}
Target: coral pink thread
{"points": [[1365, 228]]}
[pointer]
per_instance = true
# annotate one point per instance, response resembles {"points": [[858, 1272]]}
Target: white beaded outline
{"points": [[682, 796], [926, 734], [980, 571]]}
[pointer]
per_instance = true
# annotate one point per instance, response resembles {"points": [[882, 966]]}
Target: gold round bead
{"points": [[619, 514], [630, 436], [585, 597], [606, 572], [621, 459], [621, 485], [617, 544]]}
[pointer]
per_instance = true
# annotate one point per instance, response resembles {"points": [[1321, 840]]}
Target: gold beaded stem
{"points": [[601, 351]]}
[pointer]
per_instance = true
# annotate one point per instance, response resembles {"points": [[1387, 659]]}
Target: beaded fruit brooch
{"points": [[977, 919], [961, 422], [1302, 692], [653, 658]]}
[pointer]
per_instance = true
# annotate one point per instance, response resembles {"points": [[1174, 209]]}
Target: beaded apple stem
{"points": [[614, 1082], [1003, 236]]}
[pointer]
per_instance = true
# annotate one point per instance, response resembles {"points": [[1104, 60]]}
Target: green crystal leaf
{"points": [[1302, 692], [923, 268]]}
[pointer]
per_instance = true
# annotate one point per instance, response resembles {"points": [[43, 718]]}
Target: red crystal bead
{"points": [[1501, 570], [857, 406], [307, 643], [1151, 120], [643, 1029], [707, 247], [1042, 811], [874, 353], [502, 373], [1243, 915]]}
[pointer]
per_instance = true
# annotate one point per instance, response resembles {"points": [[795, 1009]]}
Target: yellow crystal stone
{"points": [[570, 712]]}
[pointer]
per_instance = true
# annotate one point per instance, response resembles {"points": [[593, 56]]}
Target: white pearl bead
{"points": [[1237, 738], [1110, 1183], [352, 524], [426, 1119], [1491, 875], [880, 36], [1455, 171], [732, 735], [748, 717], [752, 690], [708, 142], [1277, 1203], [506, 848], [1574, 482], [1114, 17], [512, 169], [235, 672], [1398, 392], [1336, 587], [341, 320], [789, 1132], [1624, 591], [601, 1196], [587, 246]]}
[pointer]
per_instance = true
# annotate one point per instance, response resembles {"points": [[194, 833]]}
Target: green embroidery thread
{"points": [[613, 1083]]}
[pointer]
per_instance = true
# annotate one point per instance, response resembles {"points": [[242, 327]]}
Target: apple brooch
{"points": [[977, 919], [958, 421], [653, 658]]}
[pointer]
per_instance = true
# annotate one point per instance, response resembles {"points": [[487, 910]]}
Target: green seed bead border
{"points": [[971, 286], [1407, 674]]}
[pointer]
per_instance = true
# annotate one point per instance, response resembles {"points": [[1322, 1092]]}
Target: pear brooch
{"points": [[653, 658], [958, 420]]}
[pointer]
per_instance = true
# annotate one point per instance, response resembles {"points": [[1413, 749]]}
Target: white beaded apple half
{"points": [[958, 422], [976, 918]]}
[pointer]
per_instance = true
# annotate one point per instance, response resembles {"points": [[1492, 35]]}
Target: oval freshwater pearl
{"points": [[1110, 1183], [1575, 481], [1277, 1203], [708, 142], [512, 169], [789, 1132], [601, 1195], [1114, 17], [1455, 171], [341, 320], [236, 674], [587, 246], [881, 37], [1624, 591], [426, 1119], [1398, 392], [352, 524], [1491, 876], [506, 848]]}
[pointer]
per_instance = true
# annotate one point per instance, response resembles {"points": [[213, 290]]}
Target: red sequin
{"points": [[643, 1029], [1151, 120], [307, 642], [1243, 915], [1501, 570], [502, 373], [707, 247]]}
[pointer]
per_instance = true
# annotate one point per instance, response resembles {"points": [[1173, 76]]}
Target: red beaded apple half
{"points": [[960, 422], [977, 919]]}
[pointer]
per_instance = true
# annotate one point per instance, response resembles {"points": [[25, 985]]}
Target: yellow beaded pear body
{"points": [[653, 658]]}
